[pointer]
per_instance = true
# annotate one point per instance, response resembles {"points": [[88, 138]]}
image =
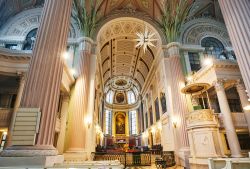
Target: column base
{"points": [[36, 161], [75, 157], [237, 156], [29, 151], [198, 163], [31, 156], [183, 156]]}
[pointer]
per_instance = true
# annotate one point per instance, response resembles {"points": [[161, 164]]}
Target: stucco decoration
{"points": [[195, 30], [17, 27], [125, 26]]}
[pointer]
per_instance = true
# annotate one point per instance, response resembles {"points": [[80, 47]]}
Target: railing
{"points": [[134, 158], [5, 115], [239, 120], [229, 163], [168, 156], [127, 159]]}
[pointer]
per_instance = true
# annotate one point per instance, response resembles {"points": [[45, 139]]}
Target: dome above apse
{"points": [[122, 90]]}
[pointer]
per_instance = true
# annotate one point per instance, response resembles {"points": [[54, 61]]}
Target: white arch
{"points": [[17, 27], [124, 26], [197, 29]]}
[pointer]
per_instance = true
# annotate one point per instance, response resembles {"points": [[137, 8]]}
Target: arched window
{"points": [[133, 123], [131, 97], [108, 122], [109, 97], [213, 45], [30, 40]]}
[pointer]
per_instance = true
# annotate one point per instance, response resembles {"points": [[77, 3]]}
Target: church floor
{"points": [[147, 167], [153, 167]]}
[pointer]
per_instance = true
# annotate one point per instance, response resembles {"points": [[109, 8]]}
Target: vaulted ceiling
{"points": [[119, 58], [153, 8]]}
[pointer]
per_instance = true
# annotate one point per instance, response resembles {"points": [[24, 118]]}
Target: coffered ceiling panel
{"points": [[118, 54]]}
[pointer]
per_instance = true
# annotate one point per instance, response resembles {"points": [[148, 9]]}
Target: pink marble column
{"points": [[42, 89], [236, 14], [177, 81], [79, 100]]}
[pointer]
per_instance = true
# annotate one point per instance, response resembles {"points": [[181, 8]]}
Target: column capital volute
{"points": [[20, 73], [65, 97], [22, 76], [86, 44], [240, 85], [85, 39], [171, 49], [219, 85]]}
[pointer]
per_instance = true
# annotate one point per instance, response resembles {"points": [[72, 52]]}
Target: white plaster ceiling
{"points": [[118, 55]]}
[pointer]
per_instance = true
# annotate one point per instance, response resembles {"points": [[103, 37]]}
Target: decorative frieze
{"points": [[203, 115]]}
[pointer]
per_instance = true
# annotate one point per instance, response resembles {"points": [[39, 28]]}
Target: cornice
{"points": [[123, 107], [14, 55], [226, 64]]}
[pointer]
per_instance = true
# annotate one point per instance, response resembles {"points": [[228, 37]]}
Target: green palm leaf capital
{"points": [[174, 15], [86, 18]]}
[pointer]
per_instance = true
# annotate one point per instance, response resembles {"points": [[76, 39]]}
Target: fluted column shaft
{"points": [[79, 99], [16, 106], [227, 120], [244, 101], [237, 19], [64, 116], [177, 82], [42, 88]]}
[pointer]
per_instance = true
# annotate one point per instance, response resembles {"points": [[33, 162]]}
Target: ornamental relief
{"points": [[200, 116], [126, 27], [21, 24], [195, 30]]}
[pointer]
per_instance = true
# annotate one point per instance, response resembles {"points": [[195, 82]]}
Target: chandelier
{"points": [[145, 39]]}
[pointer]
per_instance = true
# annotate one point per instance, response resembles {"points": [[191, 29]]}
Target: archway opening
{"points": [[124, 70]]}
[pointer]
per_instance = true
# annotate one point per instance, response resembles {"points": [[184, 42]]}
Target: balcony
{"points": [[239, 120], [5, 116], [217, 69]]}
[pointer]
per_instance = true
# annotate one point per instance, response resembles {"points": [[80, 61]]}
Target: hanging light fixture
{"points": [[145, 39]]}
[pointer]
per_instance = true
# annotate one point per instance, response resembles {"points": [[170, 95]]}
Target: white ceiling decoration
{"points": [[145, 39], [119, 56]]}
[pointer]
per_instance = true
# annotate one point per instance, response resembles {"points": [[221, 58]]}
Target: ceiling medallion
{"points": [[145, 39], [121, 82]]}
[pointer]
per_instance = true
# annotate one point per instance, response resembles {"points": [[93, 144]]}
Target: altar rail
{"points": [[127, 159], [134, 158]]}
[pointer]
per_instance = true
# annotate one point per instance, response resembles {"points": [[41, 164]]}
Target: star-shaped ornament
{"points": [[145, 39]]}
